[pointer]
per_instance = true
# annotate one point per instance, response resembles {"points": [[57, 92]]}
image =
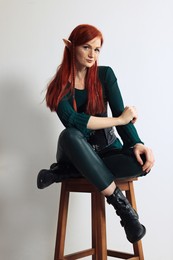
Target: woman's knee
{"points": [[68, 139], [70, 135]]}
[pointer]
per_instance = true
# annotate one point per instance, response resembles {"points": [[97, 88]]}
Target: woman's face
{"points": [[87, 54]]}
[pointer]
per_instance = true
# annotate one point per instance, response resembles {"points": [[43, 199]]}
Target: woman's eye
{"points": [[97, 50], [85, 47]]}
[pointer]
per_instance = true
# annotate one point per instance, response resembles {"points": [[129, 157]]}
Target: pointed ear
{"points": [[67, 43]]}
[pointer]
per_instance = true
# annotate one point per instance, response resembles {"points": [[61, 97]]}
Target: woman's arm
{"points": [[129, 114], [86, 123], [70, 118], [127, 131]]}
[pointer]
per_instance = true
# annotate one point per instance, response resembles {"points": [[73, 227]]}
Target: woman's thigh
{"points": [[122, 163], [74, 148]]}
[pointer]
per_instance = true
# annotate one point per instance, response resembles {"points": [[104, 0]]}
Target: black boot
{"points": [[56, 173], [129, 218]]}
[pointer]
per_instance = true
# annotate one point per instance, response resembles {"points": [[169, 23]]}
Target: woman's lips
{"points": [[89, 61]]}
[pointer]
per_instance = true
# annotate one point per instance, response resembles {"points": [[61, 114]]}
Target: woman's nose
{"points": [[91, 53]]}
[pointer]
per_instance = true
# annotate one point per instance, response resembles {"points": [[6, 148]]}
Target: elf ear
{"points": [[67, 43]]}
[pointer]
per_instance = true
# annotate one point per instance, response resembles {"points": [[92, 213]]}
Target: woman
{"points": [[79, 93]]}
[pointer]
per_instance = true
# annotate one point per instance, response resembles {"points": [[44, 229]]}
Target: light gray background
{"points": [[139, 47]]}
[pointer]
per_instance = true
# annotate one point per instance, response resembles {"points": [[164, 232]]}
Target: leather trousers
{"points": [[101, 168]]}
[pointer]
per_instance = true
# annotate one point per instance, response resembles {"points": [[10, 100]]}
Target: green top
{"points": [[79, 120]]}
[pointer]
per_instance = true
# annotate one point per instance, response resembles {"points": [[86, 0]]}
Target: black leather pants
{"points": [[100, 169]]}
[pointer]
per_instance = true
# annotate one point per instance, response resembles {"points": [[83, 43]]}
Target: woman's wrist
{"points": [[118, 121]]}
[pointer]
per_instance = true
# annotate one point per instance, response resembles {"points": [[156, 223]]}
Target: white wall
{"points": [[138, 45]]}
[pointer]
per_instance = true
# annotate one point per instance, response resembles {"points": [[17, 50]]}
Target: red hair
{"points": [[59, 86]]}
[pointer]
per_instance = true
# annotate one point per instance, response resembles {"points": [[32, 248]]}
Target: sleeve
{"points": [[128, 133], [71, 118]]}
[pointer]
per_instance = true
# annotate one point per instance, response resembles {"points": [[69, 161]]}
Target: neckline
{"points": [[80, 89], [76, 88]]}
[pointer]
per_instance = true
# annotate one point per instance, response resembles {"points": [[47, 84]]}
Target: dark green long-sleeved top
{"points": [[79, 120]]}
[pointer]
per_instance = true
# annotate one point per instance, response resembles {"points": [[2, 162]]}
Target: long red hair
{"points": [[59, 86]]}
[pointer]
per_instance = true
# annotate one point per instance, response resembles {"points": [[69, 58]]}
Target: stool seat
{"points": [[98, 249]]}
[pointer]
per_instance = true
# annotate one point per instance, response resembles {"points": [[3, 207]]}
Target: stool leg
{"points": [[94, 225], [99, 226], [62, 222], [130, 194]]}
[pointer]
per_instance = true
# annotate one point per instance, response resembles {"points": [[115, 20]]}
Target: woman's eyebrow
{"points": [[91, 46]]}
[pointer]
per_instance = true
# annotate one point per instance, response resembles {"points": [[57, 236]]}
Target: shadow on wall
{"points": [[25, 148]]}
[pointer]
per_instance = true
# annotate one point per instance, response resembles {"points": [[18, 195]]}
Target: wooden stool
{"points": [[99, 249]]}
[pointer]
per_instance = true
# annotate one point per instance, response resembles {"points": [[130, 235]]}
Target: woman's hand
{"points": [[128, 115], [140, 149]]}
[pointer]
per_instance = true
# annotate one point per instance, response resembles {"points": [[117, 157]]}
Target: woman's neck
{"points": [[80, 79]]}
